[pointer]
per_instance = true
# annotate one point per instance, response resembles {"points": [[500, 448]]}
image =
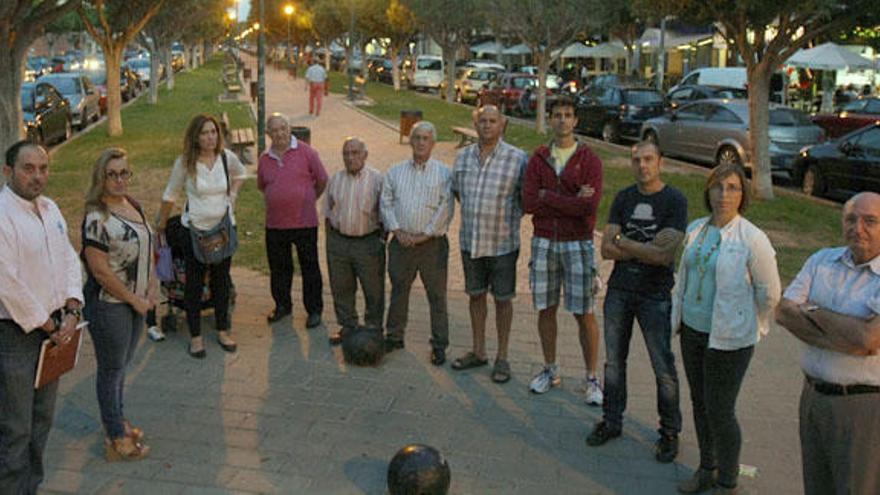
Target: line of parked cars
{"points": [[56, 103]]}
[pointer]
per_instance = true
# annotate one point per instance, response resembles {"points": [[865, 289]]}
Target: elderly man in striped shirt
{"points": [[487, 180], [355, 244], [417, 207]]}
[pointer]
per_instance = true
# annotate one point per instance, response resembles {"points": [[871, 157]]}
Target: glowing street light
{"points": [[288, 11]]}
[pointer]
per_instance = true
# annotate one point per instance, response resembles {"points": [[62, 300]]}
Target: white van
{"points": [[428, 72], [728, 77]]}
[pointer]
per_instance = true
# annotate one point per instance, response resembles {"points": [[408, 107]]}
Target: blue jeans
{"points": [[25, 414], [621, 308], [115, 331]]}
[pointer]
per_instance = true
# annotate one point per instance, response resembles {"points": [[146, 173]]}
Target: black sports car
{"points": [[847, 165]]}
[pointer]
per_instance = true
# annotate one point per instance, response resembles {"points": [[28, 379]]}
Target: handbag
{"points": [[219, 242], [164, 264]]}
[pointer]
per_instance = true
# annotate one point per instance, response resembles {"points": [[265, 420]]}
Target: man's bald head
{"points": [[861, 226], [489, 123]]}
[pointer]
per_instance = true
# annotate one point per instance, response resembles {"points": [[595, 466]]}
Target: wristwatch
{"points": [[811, 307], [73, 311]]}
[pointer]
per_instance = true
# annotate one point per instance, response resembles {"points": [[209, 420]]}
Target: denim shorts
{"points": [[495, 272]]}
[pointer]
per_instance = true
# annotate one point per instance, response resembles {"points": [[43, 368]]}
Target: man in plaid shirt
{"points": [[487, 180]]}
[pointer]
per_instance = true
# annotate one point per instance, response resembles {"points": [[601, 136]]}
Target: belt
{"points": [[826, 388], [353, 237]]}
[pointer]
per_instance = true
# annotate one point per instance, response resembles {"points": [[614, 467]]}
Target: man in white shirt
{"points": [[832, 306], [316, 80], [355, 244], [37, 301], [417, 207]]}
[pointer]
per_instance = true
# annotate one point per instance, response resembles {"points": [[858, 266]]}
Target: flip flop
{"points": [[501, 371], [468, 361]]}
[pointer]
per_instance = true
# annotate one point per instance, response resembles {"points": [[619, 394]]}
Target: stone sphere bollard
{"points": [[418, 470]]}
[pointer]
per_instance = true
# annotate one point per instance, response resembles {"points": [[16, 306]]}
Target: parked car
{"points": [[853, 115], [178, 59], [485, 64], [686, 94], [729, 77], [80, 92], [130, 84], [717, 131], [849, 164], [141, 66], [428, 73], [99, 80], [616, 112], [513, 92], [471, 81], [380, 69], [47, 117], [36, 67]]}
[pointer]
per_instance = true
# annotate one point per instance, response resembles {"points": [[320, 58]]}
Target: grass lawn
{"points": [[153, 138], [796, 226]]}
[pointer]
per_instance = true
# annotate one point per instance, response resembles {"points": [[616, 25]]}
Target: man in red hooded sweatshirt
{"points": [[562, 188]]}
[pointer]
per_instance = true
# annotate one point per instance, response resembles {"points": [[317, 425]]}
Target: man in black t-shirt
{"points": [[645, 227]]}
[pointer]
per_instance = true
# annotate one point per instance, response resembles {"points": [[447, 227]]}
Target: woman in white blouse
{"points": [[121, 287], [726, 290], [211, 177]]}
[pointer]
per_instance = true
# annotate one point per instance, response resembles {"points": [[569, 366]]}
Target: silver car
{"points": [[717, 131], [84, 100]]}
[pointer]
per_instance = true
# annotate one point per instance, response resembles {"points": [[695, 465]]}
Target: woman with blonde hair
{"points": [[211, 177], [120, 288], [725, 294]]}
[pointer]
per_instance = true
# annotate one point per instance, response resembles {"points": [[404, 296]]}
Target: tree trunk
{"points": [[154, 76], [394, 53], [207, 50], [759, 121], [11, 129], [113, 60], [449, 65], [169, 69], [541, 111]]}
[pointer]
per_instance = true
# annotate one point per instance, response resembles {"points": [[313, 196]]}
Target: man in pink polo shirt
{"points": [[291, 176]]}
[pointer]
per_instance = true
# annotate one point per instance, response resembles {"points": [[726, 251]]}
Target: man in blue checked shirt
{"points": [[487, 181]]}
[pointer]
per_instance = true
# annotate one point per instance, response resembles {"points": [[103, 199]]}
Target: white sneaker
{"points": [[155, 334], [593, 392], [548, 377]]}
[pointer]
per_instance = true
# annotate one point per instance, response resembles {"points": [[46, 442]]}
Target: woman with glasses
{"points": [[121, 287], [211, 177], [726, 290]]}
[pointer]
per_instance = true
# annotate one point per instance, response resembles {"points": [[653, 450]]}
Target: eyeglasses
{"points": [[729, 189], [121, 175]]}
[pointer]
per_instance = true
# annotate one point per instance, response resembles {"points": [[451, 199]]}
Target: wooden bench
{"points": [[238, 139], [468, 136]]}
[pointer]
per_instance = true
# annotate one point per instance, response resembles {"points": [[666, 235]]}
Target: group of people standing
{"points": [[721, 301]]}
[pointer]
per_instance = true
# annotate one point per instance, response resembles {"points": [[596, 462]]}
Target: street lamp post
{"points": [[288, 11], [261, 80]]}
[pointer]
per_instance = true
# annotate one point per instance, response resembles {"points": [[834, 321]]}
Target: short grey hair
{"points": [[355, 139], [278, 116], [424, 125]]}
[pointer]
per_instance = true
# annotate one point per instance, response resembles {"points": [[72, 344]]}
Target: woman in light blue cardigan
{"points": [[726, 290]]}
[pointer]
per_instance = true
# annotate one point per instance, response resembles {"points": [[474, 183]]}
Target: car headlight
{"points": [[805, 150]]}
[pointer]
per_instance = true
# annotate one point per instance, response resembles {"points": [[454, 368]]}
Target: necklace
{"points": [[703, 261]]}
